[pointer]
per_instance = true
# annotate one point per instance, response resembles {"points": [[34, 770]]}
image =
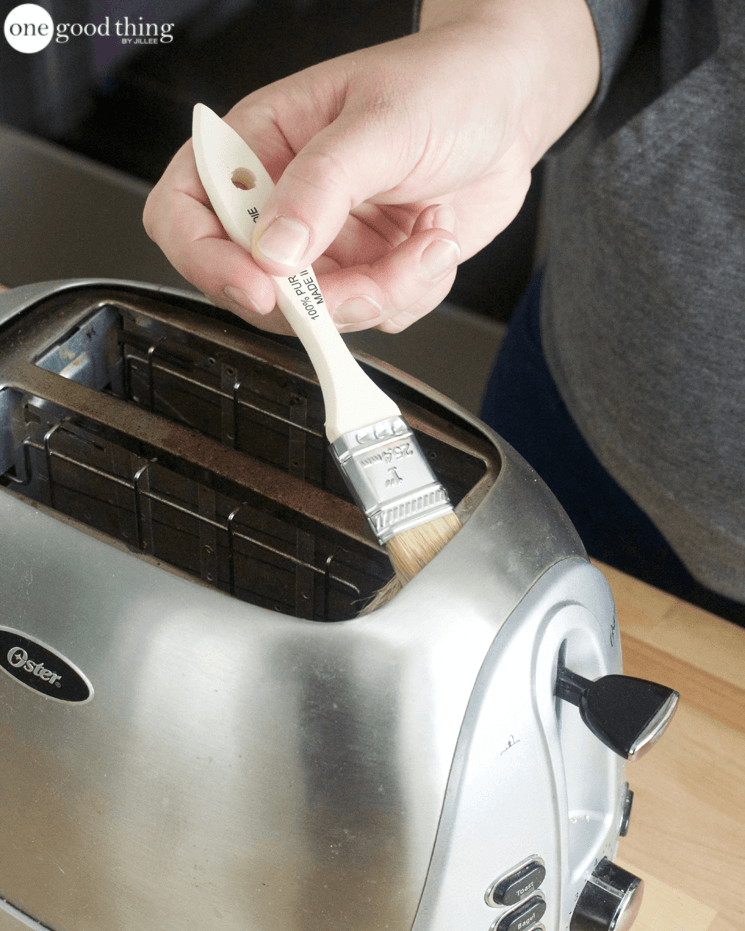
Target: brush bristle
{"points": [[410, 551], [382, 596]]}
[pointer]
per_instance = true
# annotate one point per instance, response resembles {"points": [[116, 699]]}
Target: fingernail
{"points": [[444, 218], [284, 241], [239, 296], [357, 310], [439, 257]]}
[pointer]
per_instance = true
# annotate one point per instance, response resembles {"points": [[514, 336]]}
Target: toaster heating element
{"points": [[186, 743]]}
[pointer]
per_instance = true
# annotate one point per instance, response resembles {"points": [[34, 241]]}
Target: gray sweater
{"points": [[643, 299]]}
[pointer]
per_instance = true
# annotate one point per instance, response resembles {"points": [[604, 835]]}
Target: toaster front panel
{"points": [[233, 768]]}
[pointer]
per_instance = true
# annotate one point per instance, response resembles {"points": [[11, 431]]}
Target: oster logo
{"points": [[41, 668]]}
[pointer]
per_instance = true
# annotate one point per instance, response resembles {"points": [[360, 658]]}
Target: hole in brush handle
{"points": [[243, 179]]}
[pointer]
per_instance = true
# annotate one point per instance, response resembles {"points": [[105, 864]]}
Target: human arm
{"points": [[389, 159]]}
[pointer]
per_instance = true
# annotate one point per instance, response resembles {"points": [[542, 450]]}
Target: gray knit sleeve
{"points": [[417, 9], [617, 25]]}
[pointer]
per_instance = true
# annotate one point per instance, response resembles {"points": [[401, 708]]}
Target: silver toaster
{"points": [[198, 729]]}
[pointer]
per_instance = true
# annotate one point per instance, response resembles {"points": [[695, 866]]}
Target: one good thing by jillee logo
{"points": [[29, 28]]}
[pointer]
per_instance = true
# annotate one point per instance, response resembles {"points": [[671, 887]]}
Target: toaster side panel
{"points": [[532, 797]]}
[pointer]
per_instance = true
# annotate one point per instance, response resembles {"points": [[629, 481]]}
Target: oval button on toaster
{"points": [[518, 884], [523, 917]]}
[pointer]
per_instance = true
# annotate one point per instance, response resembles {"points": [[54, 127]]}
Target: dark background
{"points": [[130, 108]]}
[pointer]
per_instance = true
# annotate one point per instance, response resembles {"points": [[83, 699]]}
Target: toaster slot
{"points": [[250, 396], [201, 445], [79, 469], [240, 401]]}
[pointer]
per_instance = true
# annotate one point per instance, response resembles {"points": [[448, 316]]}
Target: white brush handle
{"points": [[237, 185]]}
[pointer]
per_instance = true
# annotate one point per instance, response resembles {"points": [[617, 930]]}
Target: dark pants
{"points": [[523, 405]]}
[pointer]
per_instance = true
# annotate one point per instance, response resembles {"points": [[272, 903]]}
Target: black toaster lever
{"points": [[628, 715]]}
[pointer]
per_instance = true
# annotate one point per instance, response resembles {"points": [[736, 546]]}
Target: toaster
{"points": [[200, 726]]}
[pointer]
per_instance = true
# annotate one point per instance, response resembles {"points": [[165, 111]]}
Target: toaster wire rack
{"points": [[199, 443]]}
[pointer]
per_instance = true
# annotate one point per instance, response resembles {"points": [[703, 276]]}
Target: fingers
{"points": [[390, 293], [400, 287]]}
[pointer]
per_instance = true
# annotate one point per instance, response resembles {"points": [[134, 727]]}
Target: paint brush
{"points": [[382, 463]]}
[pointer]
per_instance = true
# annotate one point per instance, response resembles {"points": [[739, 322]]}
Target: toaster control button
{"points": [[623, 829], [610, 900], [523, 917], [517, 885]]}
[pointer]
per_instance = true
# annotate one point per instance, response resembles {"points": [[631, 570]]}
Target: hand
{"points": [[391, 164]]}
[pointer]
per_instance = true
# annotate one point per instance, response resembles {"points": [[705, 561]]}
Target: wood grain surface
{"points": [[687, 834]]}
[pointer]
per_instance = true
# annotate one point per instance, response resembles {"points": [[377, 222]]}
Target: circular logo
{"points": [[29, 28]]}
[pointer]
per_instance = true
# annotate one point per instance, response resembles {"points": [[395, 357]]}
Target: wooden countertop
{"points": [[687, 832]]}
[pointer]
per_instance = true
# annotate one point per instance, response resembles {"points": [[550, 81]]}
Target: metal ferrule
{"points": [[390, 478]]}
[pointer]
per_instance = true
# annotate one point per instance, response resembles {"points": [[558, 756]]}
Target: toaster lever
{"points": [[628, 715]]}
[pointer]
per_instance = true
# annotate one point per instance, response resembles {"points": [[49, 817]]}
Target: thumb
{"points": [[342, 166]]}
